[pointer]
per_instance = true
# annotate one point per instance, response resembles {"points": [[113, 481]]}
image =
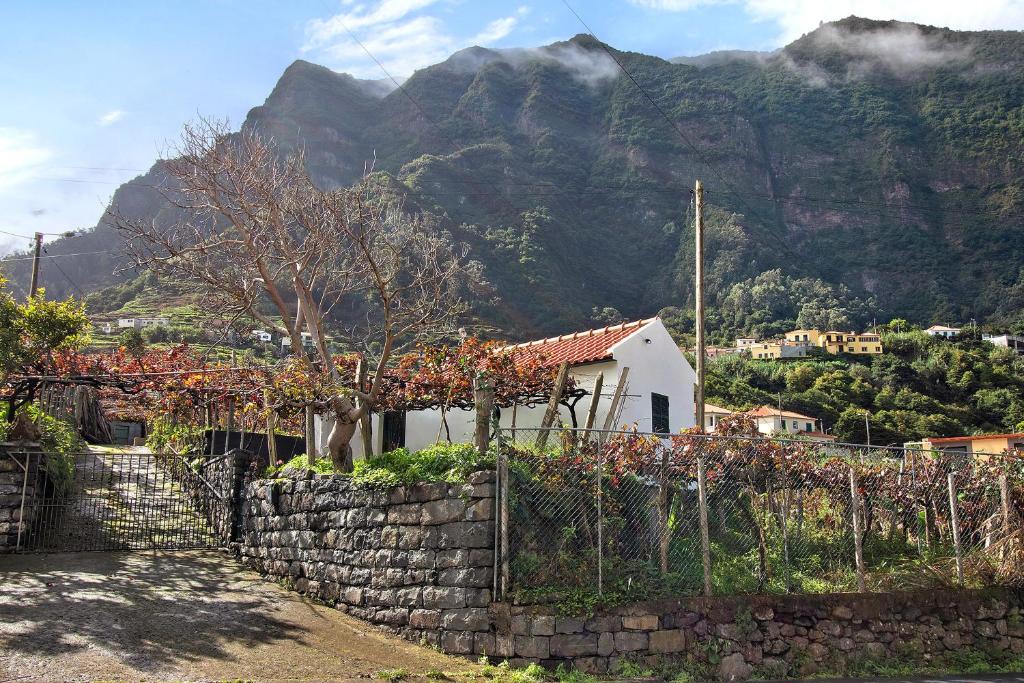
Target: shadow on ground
{"points": [[177, 614]]}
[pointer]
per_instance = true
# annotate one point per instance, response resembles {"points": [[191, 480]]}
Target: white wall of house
{"points": [[656, 365]]}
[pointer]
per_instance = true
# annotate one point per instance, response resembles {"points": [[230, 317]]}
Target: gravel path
{"points": [[180, 616]]}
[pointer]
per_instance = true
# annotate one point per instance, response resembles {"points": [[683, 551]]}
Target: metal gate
{"points": [[116, 499]]}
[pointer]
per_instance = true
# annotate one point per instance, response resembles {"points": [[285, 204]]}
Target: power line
{"points": [[80, 253], [66, 276]]}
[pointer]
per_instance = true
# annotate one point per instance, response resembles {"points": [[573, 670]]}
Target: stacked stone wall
{"points": [[768, 637], [417, 560], [13, 459]]}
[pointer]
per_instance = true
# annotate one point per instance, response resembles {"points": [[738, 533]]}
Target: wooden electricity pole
{"points": [[35, 265], [698, 239]]}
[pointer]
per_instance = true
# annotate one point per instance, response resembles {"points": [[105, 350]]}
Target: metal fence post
{"points": [[1004, 499], [858, 551], [24, 489], [497, 514], [600, 524], [954, 522], [503, 479], [705, 536]]}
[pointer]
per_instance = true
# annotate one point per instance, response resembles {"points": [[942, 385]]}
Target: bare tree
{"points": [[258, 236]]}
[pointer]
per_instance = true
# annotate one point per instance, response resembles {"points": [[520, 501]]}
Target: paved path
{"points": [[180, 616]]}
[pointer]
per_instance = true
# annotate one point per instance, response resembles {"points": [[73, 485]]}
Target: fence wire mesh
{"points": [[620, 513]]}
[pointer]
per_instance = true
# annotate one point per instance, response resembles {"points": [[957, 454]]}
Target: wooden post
{"points": [[705, 536], [1004, 499], [311, 449], [595, 398], [35, 265], [271, 426], [366, 421], [858, 551], [613, 408], [698, 238], [229, 423], [483, 404], [954, 522], [552, 411]]}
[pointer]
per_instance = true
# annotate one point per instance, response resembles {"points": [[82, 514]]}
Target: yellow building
{"points": [[980, 444], [838, 342]]}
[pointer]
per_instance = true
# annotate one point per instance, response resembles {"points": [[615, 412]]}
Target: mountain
{"points": [[881, 161]]}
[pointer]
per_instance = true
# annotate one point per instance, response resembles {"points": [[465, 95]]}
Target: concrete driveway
{"points": [[181, 616]]}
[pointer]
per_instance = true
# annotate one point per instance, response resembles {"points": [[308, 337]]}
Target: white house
{"points": [[770, 421], [942, 331], [142, 323], [307, 341], [1015, 342], [658, 394], [261, 335]]}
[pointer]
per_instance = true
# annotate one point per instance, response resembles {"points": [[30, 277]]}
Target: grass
{"points": [[392, 675]]}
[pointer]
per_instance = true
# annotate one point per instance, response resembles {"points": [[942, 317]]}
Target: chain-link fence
{"points": [[645, 516]]}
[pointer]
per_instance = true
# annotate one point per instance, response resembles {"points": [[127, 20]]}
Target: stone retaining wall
{"points": [[416, 560], [770, 637], [12, 481]]}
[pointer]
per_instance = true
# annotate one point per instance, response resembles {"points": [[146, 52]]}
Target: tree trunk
{"points": [[89, 419]]}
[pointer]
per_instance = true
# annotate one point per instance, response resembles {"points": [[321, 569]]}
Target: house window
{"points": [[810, 427], [393, 430], [863, 349], [794, 425], [659, 414], [840, 348]]}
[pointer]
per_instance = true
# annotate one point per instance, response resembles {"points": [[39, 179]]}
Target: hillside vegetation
{"points": [[920, 387], [875, 163]]}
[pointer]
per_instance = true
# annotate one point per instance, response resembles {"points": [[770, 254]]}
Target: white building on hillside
{"points": [[1014, 342], [942, 331], [658, 395], [142, 323]]}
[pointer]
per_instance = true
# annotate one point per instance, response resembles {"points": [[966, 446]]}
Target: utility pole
{"points": [[698, 238], [35, 265], [867, 426]]}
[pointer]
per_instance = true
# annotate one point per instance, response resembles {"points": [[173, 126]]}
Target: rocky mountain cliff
{"points": [[886, 159]]}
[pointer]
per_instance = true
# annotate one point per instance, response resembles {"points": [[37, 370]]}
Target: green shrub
{"points": [[300, 462], [182, 439], [59, 441], [440, 462]]}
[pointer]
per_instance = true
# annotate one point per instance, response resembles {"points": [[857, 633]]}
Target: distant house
{"points": [[979, 444], [772, 420], [838, 342], [1014, 342], [778, 350], [142, 323], [307, 341], [712, 415], [104, 326], [942, 331], [261, 335], [744, 343], [658, 396]]}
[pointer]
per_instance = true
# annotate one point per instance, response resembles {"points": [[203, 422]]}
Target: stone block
{"points": [[673, 640], [444, 597], [504, 645], [734, 668], [533, 647], [645, 622], [605, 644], [629, 641], [421, 493], [842, 612], [542, 625], [573, 645], [457, 642], [409, 513], [425, 618], [604, 623], [568, 625], [482, 477], [465, 619], [483, 644], [480, 510]]}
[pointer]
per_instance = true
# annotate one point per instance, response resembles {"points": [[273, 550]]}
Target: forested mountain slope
{"points": [[883, 163]]}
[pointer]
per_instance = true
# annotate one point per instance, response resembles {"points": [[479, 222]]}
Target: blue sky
{"points": [[92, 92]]}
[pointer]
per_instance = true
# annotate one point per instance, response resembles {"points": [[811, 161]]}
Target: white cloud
{"points": [[111, 117], [796, 17], [20, 155], [397, 34]]}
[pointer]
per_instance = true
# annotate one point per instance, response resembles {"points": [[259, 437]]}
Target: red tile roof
{"points": [[768, 411], [582, 347]]}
